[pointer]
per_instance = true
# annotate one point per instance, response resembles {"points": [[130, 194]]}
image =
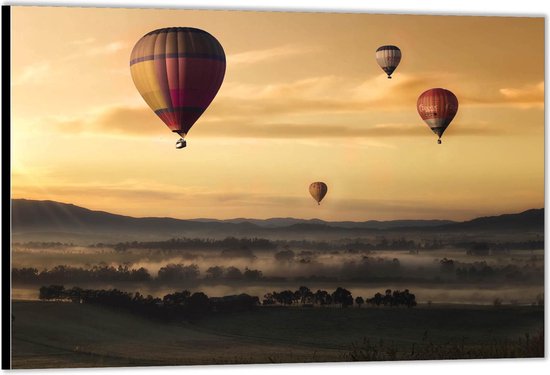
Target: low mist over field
{"points": [[460, 262]]}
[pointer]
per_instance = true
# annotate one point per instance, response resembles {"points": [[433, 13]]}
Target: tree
{"points": [[286, 297], [284, 256], [177, 298], [55, 292], [233, 273], [215, 272], [322, 297], [268, 299], [343, 297], [198, 303], [252, 274], [178, 272], [359, 301], [304, 295]]}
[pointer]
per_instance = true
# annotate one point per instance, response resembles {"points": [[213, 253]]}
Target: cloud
{"points": [[525, 97], [117, 120], [90, 48], [83, 41], [34, 73], [256, 56], [141, 121], [321, 95], [527, 94], [306, 108], [107, 49]]}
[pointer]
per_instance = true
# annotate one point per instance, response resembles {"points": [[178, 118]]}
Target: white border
{"points": [[463, 7]]}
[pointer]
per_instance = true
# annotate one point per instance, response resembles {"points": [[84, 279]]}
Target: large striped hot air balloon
{"points": [[388, 57], [178, 72], [318, 190], [437, 107]]}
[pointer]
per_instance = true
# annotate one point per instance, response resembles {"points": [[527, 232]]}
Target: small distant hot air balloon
{"points": [[178, 72], [437, 107], [318, 190], [388, 57]]}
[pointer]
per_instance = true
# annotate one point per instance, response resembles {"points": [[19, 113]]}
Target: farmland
{"points": [[56, 334]]}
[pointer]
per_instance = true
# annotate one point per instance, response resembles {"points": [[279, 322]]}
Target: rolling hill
{"points": [[49, 218]]}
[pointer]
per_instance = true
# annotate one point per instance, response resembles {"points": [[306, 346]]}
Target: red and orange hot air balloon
{"points": [[178, 72], [437, 107]]}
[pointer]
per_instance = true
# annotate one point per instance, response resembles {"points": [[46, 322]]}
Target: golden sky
{"points": [[303, 100]]}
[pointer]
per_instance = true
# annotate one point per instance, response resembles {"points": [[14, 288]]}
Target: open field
{"points": [[50, 334]]}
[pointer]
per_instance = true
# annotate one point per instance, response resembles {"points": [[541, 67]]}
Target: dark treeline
{"points": [[368, 269], [342, 297], [481, 271], [185, 304], [178, 305], [242, 246], [65, 274], [303, 296], [488, 248], [43, 245], [102, 273], [395, 298], [352, 245], [229, 243], [232, 246]]}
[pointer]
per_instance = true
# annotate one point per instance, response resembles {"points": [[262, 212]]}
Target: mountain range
{"points": [[35, 219]]}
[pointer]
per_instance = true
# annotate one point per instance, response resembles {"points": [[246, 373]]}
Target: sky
{"points": [[303, 100]]}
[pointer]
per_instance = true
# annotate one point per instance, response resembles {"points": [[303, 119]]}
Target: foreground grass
{"points": [[49, 335], [526, 347]]}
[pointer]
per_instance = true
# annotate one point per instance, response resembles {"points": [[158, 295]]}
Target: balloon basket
{"points": [[181, 143]]}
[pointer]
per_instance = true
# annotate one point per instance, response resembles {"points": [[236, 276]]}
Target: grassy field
{"points": [[49, 334]]}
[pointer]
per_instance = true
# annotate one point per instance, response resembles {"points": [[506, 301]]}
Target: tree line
{"points": [[122, 273], [175, 305], [235, 244], [367, 269], [481, 271], [184, 304], [395, 298], [304, 296]]}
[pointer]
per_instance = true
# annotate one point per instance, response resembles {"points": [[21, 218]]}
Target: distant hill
{"points": [[530, 220], [280, 222], [51, 219]]}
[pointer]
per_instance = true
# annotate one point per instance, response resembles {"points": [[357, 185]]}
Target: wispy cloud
{"points": [[306, 108], [139, 121], [256, 56], [91, 48], [524, 97], [117, 119], [107, 49], [83, 41], [34, 73]]}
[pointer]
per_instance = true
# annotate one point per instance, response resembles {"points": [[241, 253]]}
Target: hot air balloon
{"points": [[318, 190], [178, 72], [437, 107], [388, 57]]}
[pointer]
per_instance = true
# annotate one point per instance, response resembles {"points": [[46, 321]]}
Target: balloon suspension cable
{"points": [[318, 203]]}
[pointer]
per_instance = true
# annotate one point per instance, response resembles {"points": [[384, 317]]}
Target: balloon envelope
{"points": [[318, 190], [178, 72], [437, 107], [388, 57]]}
